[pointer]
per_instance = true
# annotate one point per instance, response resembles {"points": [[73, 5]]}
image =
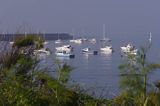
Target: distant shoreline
{"points": [[46, 36]]}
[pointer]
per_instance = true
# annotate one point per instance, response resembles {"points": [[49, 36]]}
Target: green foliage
{"points": [[63, 72], [23, 84], [9, 58], [29, 40], [24, 41], [134, 78]]}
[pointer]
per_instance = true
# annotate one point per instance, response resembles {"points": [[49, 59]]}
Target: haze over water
{"points": [[122, 17]]}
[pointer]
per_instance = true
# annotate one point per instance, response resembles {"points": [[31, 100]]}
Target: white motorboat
{"points": [[107, 49], [129, 49], [89, 51], [67, 48], [86, 50], [64, 53]]}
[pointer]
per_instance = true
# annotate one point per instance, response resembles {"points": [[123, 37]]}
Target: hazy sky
{"points": [[84, 16]]}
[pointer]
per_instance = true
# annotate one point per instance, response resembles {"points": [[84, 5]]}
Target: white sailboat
{"points": [[83, 38], [58, 40], [104, 35], [106, 49], [11, 42], [92, 40], [150, 37], [44, 37], [77, 41]]}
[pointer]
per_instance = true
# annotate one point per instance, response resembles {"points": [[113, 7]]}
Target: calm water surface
{"points": [[101, 72]]}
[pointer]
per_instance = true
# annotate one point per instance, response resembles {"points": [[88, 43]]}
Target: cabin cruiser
{"points": [[64, 53], [89, 51], [68, 48], [129, 49], [107, 49]]}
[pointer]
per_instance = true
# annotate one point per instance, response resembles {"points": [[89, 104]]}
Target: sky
{"points": [[84, 17]]}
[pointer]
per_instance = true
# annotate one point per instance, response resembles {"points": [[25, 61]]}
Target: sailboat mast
{"points": [[72, 33], [150, 37], [104, 32], [25, 34], [58, 36]]}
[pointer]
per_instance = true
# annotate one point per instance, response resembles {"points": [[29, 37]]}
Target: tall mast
{"points": [[25, 34], [72, 33], [104, 32], [150, 37]]}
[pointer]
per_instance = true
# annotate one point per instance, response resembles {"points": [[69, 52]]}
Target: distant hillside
{"points": [[46, 36]]}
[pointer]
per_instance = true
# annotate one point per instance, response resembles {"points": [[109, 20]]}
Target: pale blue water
{"points": [[101, 72]]}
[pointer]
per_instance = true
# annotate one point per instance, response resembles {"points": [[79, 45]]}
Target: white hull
{"points": [[105, 40], [63, 54], [129, 49], [78, 41], [42, 51], [11, 43], [107, 49], [66, 48], [58, 41], [45, 43], [93, 40], [89, 51]]}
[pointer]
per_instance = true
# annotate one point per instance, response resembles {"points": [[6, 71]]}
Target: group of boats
{"points": [[67, 50]]}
